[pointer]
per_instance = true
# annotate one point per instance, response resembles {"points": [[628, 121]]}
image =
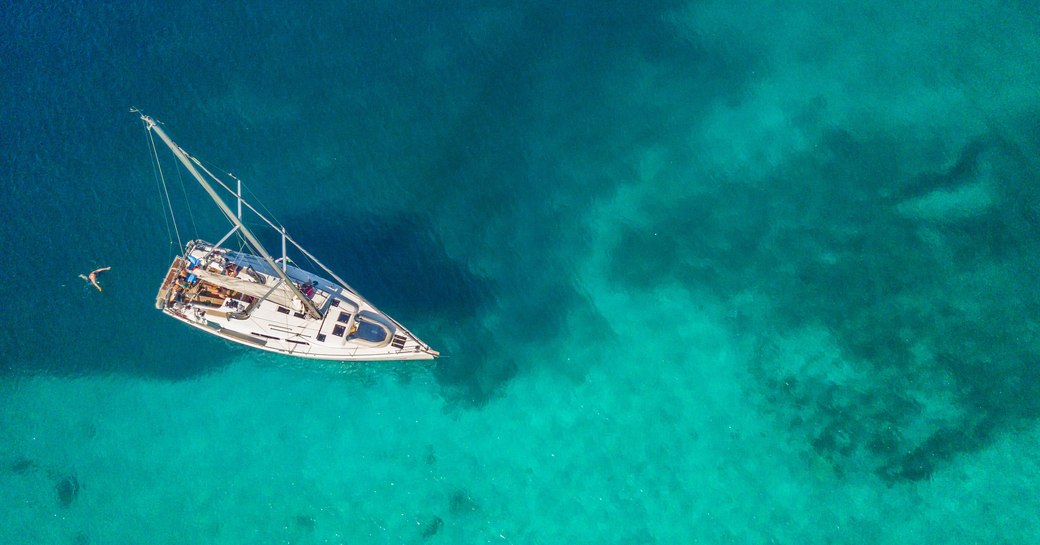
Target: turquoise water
{"points": [[702, 273]]}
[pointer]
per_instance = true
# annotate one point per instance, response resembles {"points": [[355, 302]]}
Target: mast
{"points": [[152, 125]]}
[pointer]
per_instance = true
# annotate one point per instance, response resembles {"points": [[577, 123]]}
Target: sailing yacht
{"points": [[244, 295]]}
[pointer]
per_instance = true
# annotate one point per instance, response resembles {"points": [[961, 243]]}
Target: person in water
{"points": [[92, 278]]}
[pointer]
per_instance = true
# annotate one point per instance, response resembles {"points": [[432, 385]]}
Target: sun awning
{"points": [[281, 294]]}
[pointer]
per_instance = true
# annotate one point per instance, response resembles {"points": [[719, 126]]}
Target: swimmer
{"points": [[92, 278]]}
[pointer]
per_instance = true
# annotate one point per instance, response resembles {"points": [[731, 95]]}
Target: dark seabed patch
{"points": [[461, 503], [506, 136], [431, 527], [22, 466], [305, 522], [68, 489], [930, 303]]}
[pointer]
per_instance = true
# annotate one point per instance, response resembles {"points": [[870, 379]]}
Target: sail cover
{"points": [[281, 294]]}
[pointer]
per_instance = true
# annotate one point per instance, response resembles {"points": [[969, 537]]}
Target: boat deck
{"points": [[238, 297]]}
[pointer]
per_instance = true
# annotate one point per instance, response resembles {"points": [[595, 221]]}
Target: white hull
{"points": [[349, 328]]}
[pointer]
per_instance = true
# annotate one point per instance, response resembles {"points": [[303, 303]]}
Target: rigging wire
{"points": [[270, 218], [166, 191], [158, 188], [253, 196], [191, 215], [221, 183]]}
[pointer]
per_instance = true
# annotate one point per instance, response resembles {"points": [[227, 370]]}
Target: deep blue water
{"points": [[701, 272]]}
